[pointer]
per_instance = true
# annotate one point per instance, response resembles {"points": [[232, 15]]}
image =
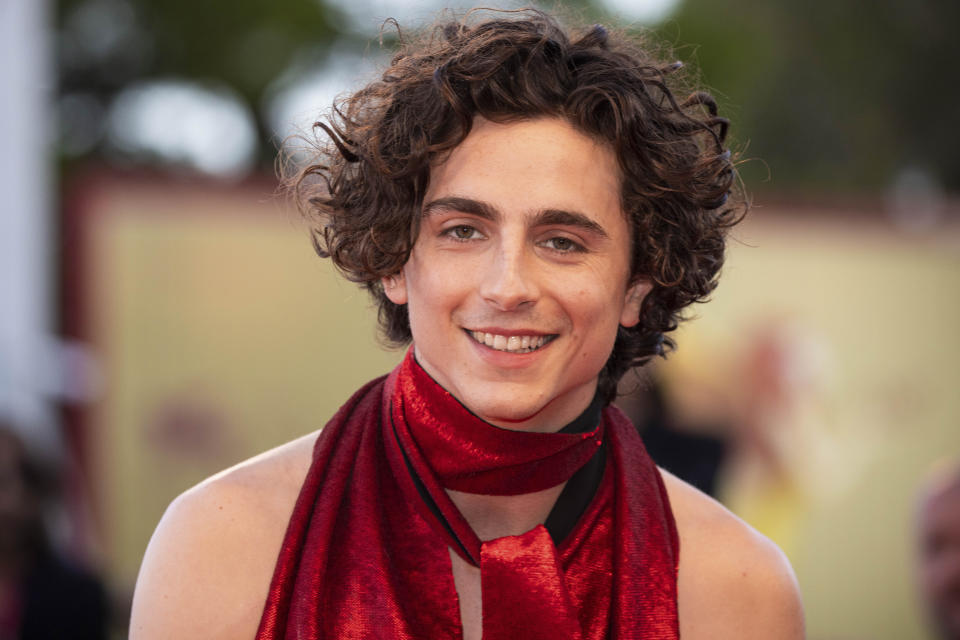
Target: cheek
{"points": [[596, 317], [596, 303], [432, 293]]}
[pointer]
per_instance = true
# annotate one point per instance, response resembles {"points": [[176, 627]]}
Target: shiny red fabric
{"points": [[467, 454], [366, 557], [523, 589]]}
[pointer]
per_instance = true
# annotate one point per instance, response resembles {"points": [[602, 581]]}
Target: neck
{"points": [[496, 516]]}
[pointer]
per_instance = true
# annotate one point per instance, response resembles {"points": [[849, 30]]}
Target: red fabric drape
{"points": [[365, 557], [443, 439]]}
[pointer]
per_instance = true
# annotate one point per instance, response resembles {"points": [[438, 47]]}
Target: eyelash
{"points": [[452, 232], [573, 247], [474, 234]]}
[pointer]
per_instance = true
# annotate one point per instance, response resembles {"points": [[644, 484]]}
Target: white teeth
{"points": [[512, 344]]}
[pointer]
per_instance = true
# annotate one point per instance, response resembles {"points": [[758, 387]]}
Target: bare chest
{"points": [[466, 578]]}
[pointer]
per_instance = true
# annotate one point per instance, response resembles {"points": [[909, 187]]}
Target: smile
{"points": [[510, 344]]}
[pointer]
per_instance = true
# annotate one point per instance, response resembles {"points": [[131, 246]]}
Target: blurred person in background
{"points": [[695, 453], [533, 208], [938, 549], [44, 594]]}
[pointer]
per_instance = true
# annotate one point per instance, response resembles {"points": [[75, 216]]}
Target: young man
{"points": [[534, 210]]}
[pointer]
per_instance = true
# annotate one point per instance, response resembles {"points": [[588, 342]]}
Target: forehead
{"points": [[530, 165]]}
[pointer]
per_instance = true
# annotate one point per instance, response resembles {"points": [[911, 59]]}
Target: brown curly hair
{"points": [[363, 192]]}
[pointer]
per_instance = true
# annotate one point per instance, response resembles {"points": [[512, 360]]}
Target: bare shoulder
{"points": [[733, 582], [207, 569]]}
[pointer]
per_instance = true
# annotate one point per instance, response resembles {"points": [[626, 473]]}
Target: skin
{"points": [[523, 235]]}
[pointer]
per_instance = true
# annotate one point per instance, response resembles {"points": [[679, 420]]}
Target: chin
{"points": [[516, 419], [510, 415], [521, 416]]}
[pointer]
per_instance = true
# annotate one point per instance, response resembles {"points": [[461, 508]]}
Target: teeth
{"points": [[512, 344]]}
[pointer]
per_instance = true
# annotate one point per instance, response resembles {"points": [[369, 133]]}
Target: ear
{"points": [[630, 315], [395, 287]]}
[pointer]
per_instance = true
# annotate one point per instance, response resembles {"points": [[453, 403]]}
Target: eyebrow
{"points": [[569, 219], [545, 217], [463, 205]]}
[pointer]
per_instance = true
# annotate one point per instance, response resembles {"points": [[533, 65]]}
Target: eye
{"points": [[463, 233], [562, 244]]}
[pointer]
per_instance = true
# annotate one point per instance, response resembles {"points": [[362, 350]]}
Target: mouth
{"points": [[511, 344]]}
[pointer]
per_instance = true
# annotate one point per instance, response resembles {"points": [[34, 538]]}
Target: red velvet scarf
{"points": [[365, 554]]}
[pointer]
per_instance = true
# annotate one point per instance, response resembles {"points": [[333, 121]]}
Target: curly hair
{"points": [[363, 191]]}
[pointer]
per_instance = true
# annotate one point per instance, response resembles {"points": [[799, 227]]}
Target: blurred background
{"points": [[163, 315]]}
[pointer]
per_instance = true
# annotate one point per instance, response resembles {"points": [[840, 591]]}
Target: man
{"points": [[938, 558], [533, 210]]}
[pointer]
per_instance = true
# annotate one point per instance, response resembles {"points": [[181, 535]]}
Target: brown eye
{"points": [[463, 232], [563, 245]]}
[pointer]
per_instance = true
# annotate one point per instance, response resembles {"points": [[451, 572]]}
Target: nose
{"points": [[509, 281]]}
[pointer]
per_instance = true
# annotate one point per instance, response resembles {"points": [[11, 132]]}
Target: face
{"points": [[939, 562], [518, 279]]}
